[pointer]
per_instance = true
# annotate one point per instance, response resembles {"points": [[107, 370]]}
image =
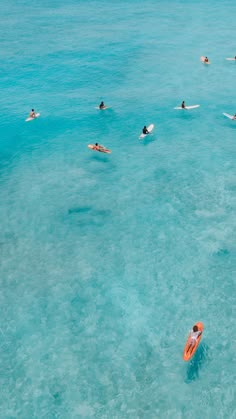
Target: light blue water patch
{"points": [[107, 261]]}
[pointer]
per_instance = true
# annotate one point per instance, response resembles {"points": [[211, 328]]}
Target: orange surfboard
{"points": [[190, 351]]}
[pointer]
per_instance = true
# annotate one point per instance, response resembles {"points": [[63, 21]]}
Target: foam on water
{"points": [[108, 260]]}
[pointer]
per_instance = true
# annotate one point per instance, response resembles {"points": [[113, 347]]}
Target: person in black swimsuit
{"points": [[145, 130], [101, 106]]}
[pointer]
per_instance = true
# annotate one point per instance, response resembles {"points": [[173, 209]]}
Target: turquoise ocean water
{"points": [[108, 260]]}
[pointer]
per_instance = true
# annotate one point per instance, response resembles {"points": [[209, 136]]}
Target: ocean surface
{"points": [[107, 261]]}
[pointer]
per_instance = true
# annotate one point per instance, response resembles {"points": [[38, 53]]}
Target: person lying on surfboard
{"points": [[145, 130], [194, 334], [98, 147], [206, 60], [102, 105], [234, 117], [183, 105], [32, 114]]}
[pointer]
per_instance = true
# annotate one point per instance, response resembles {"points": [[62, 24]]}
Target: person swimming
{"points": [[32, 114], [183, 105], [145, 130], [102, 105], [194, 335]]}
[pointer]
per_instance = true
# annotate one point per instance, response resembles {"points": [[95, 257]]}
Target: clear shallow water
{"points": [[107, 261]]}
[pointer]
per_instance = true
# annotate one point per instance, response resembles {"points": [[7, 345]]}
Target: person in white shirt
{"points": [[194, 334]]}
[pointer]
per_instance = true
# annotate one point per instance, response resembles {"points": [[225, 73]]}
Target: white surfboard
{"points": [[231, 59], [31, 119], [150, 128], [103, 109], [229, 116], [187, 107]]}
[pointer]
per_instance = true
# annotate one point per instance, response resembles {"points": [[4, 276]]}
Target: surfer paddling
{"points": [[99, 147], [194, 334]]}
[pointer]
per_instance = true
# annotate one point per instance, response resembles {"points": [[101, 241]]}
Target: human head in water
{"points": [[96, 144], [195, 328], [32, 110]]}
